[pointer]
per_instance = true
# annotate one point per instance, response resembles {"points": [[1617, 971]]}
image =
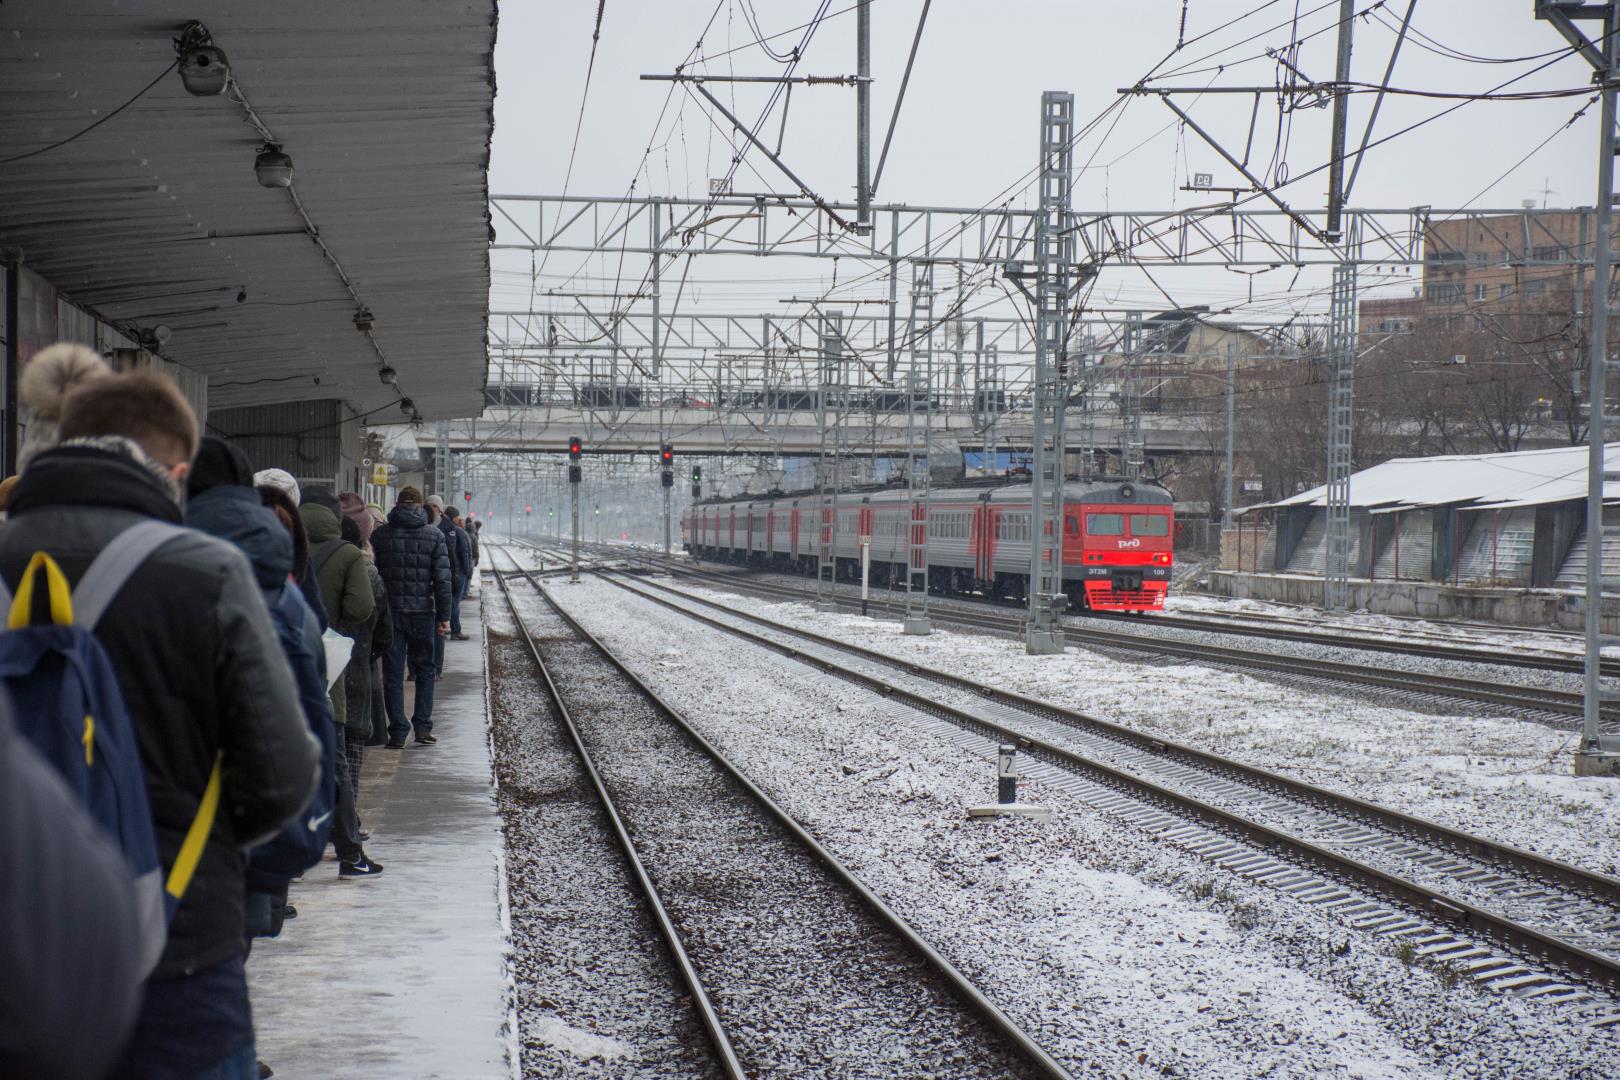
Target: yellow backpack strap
{"points": [[191, 849], [56, 583]]}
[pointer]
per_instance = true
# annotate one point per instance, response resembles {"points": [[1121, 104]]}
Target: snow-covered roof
{"points": [[1525, 478]]}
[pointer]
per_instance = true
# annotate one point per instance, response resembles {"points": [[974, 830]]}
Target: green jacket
{"points": [[340, 571]]}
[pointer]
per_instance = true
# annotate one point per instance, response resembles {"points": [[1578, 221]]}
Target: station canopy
{"points": [[155, 215], [1481, 481]]}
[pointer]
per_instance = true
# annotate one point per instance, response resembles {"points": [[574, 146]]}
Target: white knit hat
{"points": [[279, 478]]}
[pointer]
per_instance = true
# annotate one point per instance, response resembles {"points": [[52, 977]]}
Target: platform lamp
{"points": [[273, 167], [204, 69]]}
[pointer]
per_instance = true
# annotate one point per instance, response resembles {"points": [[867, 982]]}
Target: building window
{"points": [[1450, 293], [1550, 253], [1504, 291], [1479, 292], [1533, 288]]}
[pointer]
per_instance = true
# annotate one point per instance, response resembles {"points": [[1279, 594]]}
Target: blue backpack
{"points": [[70, 707]]}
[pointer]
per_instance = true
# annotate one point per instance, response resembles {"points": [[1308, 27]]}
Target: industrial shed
{"points": [[1483, 522]]}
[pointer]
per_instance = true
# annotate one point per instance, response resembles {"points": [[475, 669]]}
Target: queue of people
{"points": [[235, 645]]}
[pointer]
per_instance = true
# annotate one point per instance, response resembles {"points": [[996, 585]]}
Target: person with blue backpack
{"points": [[190, 659], [222, 502]]}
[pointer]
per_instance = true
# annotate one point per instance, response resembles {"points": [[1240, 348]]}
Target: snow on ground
{"points": [[1115, 952], [1508, 780], [1475, 635]]}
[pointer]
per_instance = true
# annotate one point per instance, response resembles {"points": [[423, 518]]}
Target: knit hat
{"points": [[452, 512], [46, 380], [354, 508], [408, 494], [434, 500], [321, 495], [7, 486], [218, 463], [280, 479]]}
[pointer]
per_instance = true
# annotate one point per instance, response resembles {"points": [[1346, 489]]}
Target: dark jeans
{"points": [[346, 819], [194, 1028], [455, 609], [414, 635]]}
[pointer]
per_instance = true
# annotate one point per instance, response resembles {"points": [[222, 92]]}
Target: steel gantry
{"points": [[1599, 753], [832, 409]]}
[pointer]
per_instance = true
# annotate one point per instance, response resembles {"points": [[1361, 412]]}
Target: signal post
{"points": [[576, 450]]}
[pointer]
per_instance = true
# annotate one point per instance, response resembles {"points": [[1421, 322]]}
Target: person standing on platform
{"points": [[370, 644], [340, 570], [414, 562], [461, 556], [213, 703]]}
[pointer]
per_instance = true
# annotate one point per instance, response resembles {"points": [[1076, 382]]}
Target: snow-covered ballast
{"points": [[1514, 519]]}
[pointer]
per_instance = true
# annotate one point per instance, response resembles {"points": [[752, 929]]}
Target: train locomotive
{"points": [[1117, 538]]}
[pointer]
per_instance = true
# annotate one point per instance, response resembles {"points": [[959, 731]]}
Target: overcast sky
{"points": [[969, 125]]}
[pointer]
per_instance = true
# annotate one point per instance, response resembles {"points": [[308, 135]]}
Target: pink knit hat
{"points": [[354, 508]]}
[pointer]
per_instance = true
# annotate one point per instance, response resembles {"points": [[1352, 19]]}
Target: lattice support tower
{"points": [[988, 401], [1598, 753], [831, 409], [919, 426], [441, 459], [1341, 346], [1053, 259], [1131, 452]]}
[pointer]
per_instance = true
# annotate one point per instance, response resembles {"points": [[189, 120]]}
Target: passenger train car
{"points": [[1117, 538]]}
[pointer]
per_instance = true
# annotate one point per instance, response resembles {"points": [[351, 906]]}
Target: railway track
{"points": [[794, 967], [1496, 915], [1244, 626], [1540, 704]]}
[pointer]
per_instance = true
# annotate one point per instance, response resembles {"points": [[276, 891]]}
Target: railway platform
{"points": [[402, 974]]}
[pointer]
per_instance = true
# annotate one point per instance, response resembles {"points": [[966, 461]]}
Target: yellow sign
{"points": [[379, 474]]}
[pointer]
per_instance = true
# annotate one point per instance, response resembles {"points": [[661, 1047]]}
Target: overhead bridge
{"points": [[788, 432]]}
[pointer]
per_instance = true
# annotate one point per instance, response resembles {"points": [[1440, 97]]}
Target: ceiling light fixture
{"points": [[407, 406], [273, 168], [363, 321], [204, 68], [387, 375]]}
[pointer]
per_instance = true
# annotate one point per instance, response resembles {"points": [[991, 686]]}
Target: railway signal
{"points": [[697, 482], [666, 477], [576, 450]]}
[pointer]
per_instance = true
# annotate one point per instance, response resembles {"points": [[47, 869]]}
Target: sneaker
{"points": [[364, 835], [288, 912], [364, 868], [459, 637], [423, 739], [265, 1071], [394, 744]]}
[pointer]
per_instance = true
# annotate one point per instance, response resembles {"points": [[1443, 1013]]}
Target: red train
{"points": [[1117, 538]]}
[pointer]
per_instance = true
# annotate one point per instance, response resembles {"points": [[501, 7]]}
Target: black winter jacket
{"points": [[455, 540], [201, 671], [414, 562]]}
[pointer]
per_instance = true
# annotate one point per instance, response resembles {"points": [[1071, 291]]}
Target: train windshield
{"points": [[1105, 524], [1150, 525]]}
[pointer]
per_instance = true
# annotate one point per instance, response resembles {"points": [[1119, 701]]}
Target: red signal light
{"points": [[528, 509], [666, 454], [576, 447]]}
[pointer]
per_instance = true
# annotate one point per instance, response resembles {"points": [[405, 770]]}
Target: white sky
{"points": [[969, 124]]}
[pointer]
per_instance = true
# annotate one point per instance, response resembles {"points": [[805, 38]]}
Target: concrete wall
{"points": [[317, 441], [1509, 607]]}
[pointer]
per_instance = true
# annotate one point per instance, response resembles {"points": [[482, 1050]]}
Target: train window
{"points": [[1150, 525], [1105, 524], [1072, 524]]}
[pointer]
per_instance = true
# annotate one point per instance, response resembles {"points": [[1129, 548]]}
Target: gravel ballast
{"points": [[596, 992], [1114, 952], [808, 983]]}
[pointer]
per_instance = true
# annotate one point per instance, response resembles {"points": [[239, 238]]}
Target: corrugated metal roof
{"points": [[1525, 478], [386, 108]]}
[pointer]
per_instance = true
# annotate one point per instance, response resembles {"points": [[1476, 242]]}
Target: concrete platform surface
{"points": [[402, 975]]}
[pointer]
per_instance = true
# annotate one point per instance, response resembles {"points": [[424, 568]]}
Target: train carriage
{"points": [[1116, 543]]}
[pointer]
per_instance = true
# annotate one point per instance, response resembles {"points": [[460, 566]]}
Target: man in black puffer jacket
{"points": [[203, 678], [414, 562]]}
